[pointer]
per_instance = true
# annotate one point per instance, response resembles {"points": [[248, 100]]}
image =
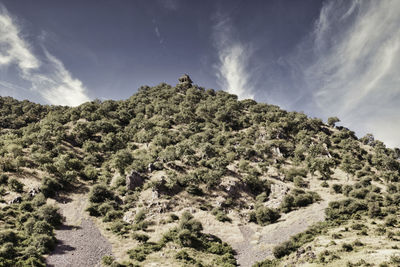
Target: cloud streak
{"points": [[47, 76], [233, 68], [355, 66]]}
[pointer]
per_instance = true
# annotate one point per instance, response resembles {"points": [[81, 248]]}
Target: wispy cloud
{"points": [[169, 4], [355, 71], [233, 68], [47, 76]]}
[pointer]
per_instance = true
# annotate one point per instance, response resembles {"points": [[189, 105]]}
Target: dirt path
{"points": [[258, 242], [80, 243]]}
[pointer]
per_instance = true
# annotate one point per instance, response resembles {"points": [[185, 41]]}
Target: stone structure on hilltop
{"points": [[185, 81]]}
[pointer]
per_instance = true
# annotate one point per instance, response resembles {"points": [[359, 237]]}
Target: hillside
{"points": [[183, 176]]}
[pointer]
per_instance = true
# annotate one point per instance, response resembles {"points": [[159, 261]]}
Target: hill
{"points": [[183, 176]]}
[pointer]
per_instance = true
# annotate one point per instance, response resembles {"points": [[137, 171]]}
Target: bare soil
{"points": [[80, 243]]}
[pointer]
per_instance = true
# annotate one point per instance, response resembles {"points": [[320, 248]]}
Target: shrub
{"points": [[283, 249], [290, 174], [264, 216], [15, 185], [267, 263], [3, 179], [42, 227], [140, 216], [325, 184], [107, 260], [347, 247], [184, 256], [50, 186], [140, 237], [299, 182], [100, 193], [391, 220], [194, 190], [50, 214], [222, 217], [112, 215], [337, 188], [43, 243]]}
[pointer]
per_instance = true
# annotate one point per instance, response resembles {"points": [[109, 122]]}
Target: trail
{"points": [[80, 243]]}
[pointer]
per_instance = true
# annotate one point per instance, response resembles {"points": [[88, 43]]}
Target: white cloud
{"points": [[356, 65], [12, 48], [233, 69], [48, 77]]}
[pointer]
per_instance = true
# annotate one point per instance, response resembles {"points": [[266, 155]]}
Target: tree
{"points": [[122, 160], [332, 121]]}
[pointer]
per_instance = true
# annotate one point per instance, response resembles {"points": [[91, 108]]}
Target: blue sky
{"points": [[325, 58]]}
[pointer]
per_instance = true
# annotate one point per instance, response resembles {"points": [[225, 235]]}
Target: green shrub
{"points": [[50, 214], [107, 260], [100, 193], [112, 215], [140, 216], [290, 174], [267, 263], [264, 215], [50, 186], [182, 255], [347, 247], [42, 227], [337, 188], [140, 237], [283, 249], [3, 179], [391, 220], [15, 185], [43, 242]]}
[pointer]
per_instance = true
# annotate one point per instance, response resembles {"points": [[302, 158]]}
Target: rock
{"points": [[34, 191], [151, 167], [133, 180], [299, 252], [128, 217], [15, 200]]}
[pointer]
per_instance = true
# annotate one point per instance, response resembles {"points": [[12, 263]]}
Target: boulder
{"points": [[15, 200]]}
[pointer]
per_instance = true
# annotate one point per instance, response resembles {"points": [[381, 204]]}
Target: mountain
{"points": [[183, 176]]}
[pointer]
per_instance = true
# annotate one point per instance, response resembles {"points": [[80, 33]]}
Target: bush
{"points": [[112, 215], [100, 193], [391, 220], [337, 188], [347, 247], [140, 237], [267, 263], [264, 216], [299, 182], [3, 179], [290, 174], [107, 260], [283, 249], [222, 217], [42, 227], [50, 214], [15, 185], [43, 243], [50, 186]]}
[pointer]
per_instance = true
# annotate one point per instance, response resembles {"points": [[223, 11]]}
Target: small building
{"points": [[185, 81]]}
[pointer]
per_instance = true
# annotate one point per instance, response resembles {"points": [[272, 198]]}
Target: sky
{"points": [[321, 57]]}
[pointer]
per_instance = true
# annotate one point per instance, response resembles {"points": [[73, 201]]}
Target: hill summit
{"points": [[184, 176]]}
